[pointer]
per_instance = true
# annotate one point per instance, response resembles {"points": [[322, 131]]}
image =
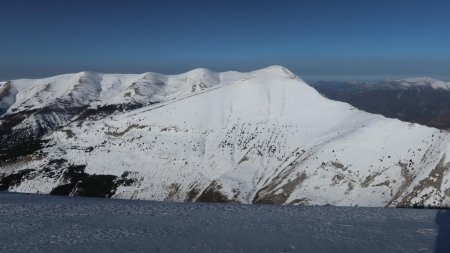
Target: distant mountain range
{"points": [[421, 100], [259, 137]]}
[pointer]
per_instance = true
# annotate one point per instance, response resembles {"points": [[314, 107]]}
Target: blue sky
{"points": [[319, 40]]}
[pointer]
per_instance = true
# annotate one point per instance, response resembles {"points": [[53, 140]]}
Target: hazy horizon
{"points": [[307, 78]]}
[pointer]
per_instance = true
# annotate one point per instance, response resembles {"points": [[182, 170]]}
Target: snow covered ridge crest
{"points": [[419, 82], [96, 89], [258, 137]]}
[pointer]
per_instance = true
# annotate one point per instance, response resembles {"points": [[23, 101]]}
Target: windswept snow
{"points": [[31, 223]]}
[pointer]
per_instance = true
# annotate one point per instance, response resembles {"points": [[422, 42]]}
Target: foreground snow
{"points": [[258, 137], [31, 223]]}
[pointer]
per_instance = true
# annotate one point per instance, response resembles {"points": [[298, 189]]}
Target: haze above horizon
{"points": [[318, 40]]}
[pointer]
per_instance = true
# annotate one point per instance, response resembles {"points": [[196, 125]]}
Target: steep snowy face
{"points": [[258, 137]]}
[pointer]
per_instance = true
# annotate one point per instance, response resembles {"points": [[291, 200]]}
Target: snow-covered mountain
{"points": [[30, 108], [258, 137], [95, 89]]}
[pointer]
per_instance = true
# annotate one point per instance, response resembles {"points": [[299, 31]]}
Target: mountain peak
{"points": [[276, 68]]}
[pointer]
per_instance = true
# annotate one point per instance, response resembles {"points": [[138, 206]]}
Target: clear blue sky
{"points": [[315, 39]]}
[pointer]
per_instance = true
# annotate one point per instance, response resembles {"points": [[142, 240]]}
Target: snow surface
{"points": [[263, 136], [31, 223]]}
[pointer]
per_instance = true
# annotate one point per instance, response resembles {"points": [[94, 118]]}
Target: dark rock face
{"points": [[423, 105], [106, 110], [21, 132], [76, 182], [268, 195], [212, 194], [16, 151], [73, 180], [96, 186], [13, 179]]}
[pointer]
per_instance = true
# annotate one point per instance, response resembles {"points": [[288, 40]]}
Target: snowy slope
{"points": [[258, 137], [32, 108]]}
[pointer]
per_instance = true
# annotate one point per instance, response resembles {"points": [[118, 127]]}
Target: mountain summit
{"points": [[259, 137]]}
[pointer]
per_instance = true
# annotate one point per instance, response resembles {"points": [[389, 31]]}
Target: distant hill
{"points": [[420, 100]]}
